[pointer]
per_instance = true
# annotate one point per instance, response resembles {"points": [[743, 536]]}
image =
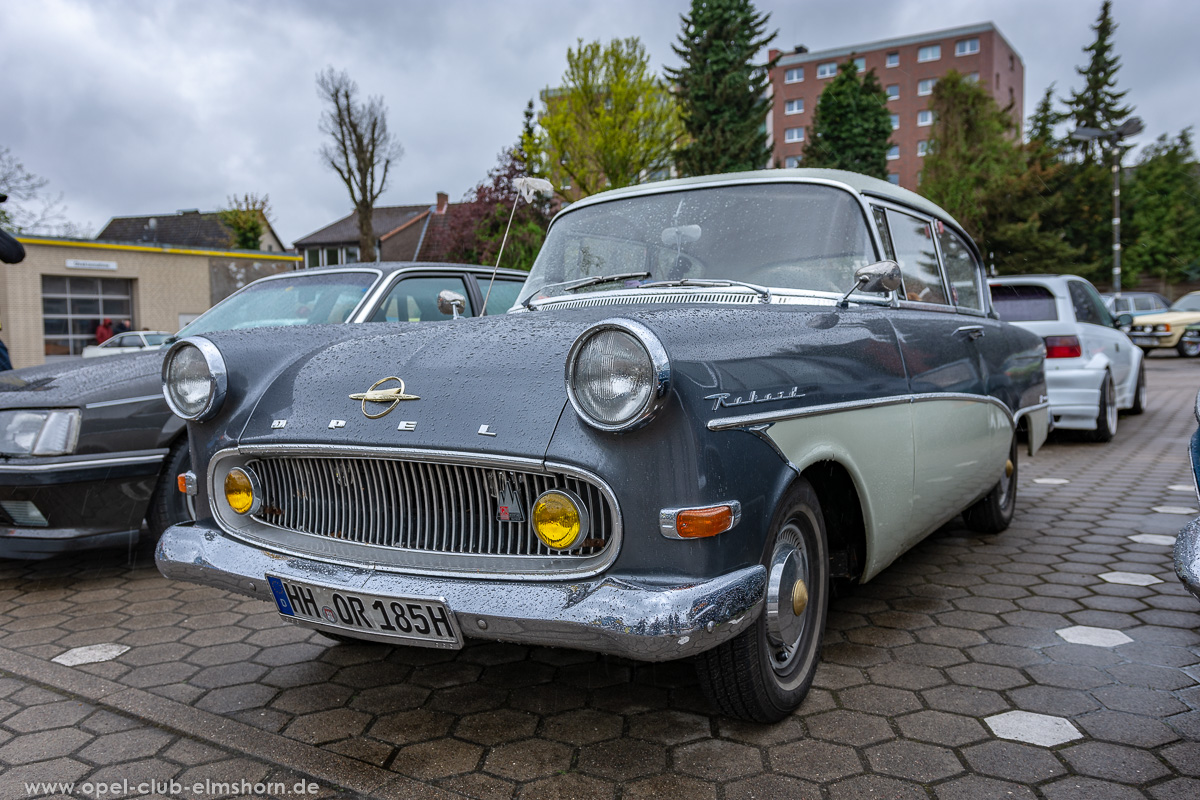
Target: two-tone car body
{"points": [[88, 449], [714, 396], [1187, 543]]}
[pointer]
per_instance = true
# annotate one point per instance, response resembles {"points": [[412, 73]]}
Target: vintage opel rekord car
{"points": [[713, 397]]}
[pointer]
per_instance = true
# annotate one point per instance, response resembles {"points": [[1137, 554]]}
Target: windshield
{"points": [[784, 235], [306, 298], [1189, 302]]}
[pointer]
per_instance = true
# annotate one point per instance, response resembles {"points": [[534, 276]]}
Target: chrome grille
{"points": [[418, 506]]}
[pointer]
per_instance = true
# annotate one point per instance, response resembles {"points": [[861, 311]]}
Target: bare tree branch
{"points": [[359, 146]]}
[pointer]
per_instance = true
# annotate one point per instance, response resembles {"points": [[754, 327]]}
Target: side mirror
{"points": [[1123, 321], [450, 302], [880, 277]]}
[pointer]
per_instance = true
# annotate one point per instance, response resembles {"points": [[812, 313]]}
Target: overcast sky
{"points": [[149, 106]]}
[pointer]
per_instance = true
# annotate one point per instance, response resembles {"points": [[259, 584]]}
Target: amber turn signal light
{"points": [[699, 523]]}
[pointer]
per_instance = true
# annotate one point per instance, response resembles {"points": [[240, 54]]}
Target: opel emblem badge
{"points": [[391, 396]]}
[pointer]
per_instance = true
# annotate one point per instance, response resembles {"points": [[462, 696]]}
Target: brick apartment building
{"points": [[907, 68]]}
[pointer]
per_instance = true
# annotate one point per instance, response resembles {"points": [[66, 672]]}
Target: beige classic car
{"points": [[1164, 330]]}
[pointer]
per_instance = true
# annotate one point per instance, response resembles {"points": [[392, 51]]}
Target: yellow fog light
{"points": [[242, 491], [559, 519]]}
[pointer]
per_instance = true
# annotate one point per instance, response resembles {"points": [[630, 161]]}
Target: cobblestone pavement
{"points": [[922, 670]]}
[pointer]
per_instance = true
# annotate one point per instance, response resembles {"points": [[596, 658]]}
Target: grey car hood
{"points": [[497, 372], [78, 383]]}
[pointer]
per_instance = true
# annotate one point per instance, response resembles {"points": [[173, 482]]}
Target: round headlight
{"points": [[560, 519], [618, 375], [194, 379]]}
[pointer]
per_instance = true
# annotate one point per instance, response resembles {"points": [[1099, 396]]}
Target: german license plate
{"points": [[1144, 341], [421, 621]]}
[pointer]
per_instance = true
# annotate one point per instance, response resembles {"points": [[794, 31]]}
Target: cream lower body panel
{"points": [[915, 464]]}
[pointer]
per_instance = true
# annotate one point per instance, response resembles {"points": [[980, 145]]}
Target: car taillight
{"points": [[1063, 347]]}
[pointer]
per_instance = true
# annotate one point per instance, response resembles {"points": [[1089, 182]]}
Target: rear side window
{"points": [[1023, 303], [962, 271]]}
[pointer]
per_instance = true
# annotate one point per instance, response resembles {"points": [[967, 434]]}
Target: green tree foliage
{"points": [[1097, 104], [246, 217], [991, 183], [610, 124], [851, 125], [1163, 220], [722, 92]]}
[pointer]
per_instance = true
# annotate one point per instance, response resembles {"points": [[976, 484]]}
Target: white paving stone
{"points": [[1153, 538], [92, 654], [1051, 481], [1039, 729], [1130, 578], [1097, 637], [1181, 487], [1189, 511]]}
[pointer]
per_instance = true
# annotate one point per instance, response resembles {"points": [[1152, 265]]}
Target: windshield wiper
{"points": [[763, 292], [579, 283]]}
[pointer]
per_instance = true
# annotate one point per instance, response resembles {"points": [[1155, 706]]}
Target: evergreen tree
{"points": [[1163, 221], [991, 183], [722, 93], [1097, 104], [851, 125]]}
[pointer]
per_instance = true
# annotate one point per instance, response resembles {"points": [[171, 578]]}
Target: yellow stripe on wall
{"points": [[134, 248]]}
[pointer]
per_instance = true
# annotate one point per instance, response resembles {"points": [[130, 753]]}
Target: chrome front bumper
{"points": [[1187, 557], [635, 619]]}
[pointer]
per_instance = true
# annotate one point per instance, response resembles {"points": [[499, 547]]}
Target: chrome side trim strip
{"points": [[126, 401], [84, 464], [769, 417]]}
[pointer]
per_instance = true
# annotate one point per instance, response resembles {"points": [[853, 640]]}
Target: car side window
{"points": [[1099, 310], [503, 296], [912, 239], [415, 300], [127, 340], [880, 214], [962, 270], [1087, 304]]}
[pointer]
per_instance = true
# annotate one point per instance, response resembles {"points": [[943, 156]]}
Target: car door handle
{"points": [[972, 332]]}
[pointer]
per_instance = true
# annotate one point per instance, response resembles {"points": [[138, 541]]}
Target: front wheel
{"points": [[1139, 392], [764, 673], [168, 505], [1188, 348], [993, 513]]}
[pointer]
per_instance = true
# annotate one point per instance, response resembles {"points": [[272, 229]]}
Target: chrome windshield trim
{"points": [[769, 417], [390, 559], [125, 401], [106, 461]]}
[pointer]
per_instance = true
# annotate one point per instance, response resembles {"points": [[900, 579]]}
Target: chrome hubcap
{"points": [[787, 596]]}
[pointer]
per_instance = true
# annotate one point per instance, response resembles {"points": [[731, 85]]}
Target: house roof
{"points": [[191, 228], [384, 220]]}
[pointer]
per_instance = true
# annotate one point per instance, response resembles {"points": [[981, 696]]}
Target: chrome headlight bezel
{"points": [[657, 362], [63, 422], [218, 378]]}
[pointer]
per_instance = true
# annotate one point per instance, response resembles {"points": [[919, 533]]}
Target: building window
{"points": [[924, 118], [893, 91], [893, 60], [926, 86], [972, 77], [895, 122], [73, 307], [794, 106], [351, 255], [860, 63], [893, 152], [827, 70], [932, 52], [794, 75], [793, 135], [922, 148], [893, 178], [791, 162], [966, 47], [312, 257]]}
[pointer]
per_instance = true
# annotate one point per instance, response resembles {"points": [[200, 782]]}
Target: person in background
{"points": [[11, 252], [5, 361], [122, 327], [104, 331]]}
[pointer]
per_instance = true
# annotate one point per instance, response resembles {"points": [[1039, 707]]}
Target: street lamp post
{"points": [[1130, 127]]}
